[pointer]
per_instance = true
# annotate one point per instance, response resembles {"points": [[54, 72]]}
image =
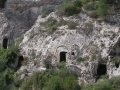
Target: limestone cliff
{"points": [[95, 41]]}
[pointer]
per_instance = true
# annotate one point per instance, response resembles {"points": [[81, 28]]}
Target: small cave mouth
{"points": [[5, 43], [2, 3], [72, 53], [20, 60], [63, 56], [117, 65], [101, 70]]}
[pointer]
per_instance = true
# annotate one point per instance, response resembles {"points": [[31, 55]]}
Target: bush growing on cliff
{"points": [[69, 8], [51, 79], [51, 24], [103, 8], [47, 12]]}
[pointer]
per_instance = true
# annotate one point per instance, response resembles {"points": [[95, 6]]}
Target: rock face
{"points": [[19, 16], [96, 42], [90, 40]]}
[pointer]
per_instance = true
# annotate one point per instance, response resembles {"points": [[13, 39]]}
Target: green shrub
{"points": [[67, 9], [93, 14], [27, 84], [52, 25], [70, 83], [51, 79], [85, 1], [79, 59], [102, 85], [55, 83], [62, 22], [116, 59], [103, 8], [47, 12], [52, 29], [77, 3], [51, 21]]}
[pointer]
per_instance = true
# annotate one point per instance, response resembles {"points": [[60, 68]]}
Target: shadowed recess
{"points": [[5, 43], [63, 56]]}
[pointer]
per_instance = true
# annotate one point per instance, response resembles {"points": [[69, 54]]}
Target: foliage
{"points": [[85, 1], [52, 25], [79, 59], [7, 57], [116, 59], [103, 8], [107, 84], [69, 8], [93, 14], [47, 12], [50, 21], [77, 3], [91, 6], [52, 28], [51, 79]]}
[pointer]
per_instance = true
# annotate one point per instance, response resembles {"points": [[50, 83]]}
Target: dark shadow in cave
{"points": [[2, 3], [101, 70], [117, 65], [5, 43], [20, 60], [72, 53], [63, 56]]}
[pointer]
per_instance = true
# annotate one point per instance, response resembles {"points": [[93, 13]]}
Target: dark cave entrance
{"points": [[72, 53], [2, 3], [117, 65], [20, 60], [102, 70], [5, 43], [63, 56]]}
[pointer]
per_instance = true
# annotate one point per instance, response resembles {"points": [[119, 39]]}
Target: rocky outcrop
{"points": [[94, 45], [19, 16], [85, 48]]}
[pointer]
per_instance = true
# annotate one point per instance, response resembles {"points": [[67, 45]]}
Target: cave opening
{"points": [[117, 65], [5, 43], [101, 70], [2, 3], [20, 60], [72, 53], [63, 56]]}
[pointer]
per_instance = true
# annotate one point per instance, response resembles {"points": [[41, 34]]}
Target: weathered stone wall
{"points": [[38, 46], [20, 15]]}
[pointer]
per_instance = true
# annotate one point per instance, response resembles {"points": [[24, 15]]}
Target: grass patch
{"points": [[47, 12]]}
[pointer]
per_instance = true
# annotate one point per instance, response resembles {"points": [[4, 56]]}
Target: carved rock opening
{"points": [[72, 53], [102, 70], [20, 60], [2, 3], [5, 43], [117, 65], [63, 56]]}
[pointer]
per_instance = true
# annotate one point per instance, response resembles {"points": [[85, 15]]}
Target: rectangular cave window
{"points": [[63, 56], [20, 60], [102, 70], [5, 43]]}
